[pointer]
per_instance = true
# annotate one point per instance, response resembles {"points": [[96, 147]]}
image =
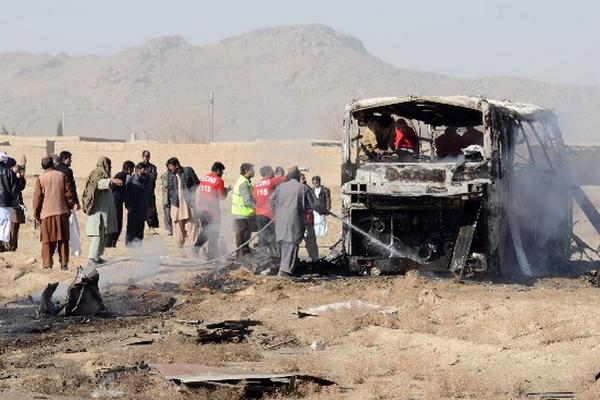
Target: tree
{"points": [[181, 126], [6, 132]]}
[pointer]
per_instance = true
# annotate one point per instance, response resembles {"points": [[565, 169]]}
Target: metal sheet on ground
{"points": [[194, 373]]}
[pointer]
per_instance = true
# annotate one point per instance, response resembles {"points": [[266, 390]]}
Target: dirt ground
{"points": [[447, 339]]}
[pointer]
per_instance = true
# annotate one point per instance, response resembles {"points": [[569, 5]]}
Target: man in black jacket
{"points": [[152, 176], [137, 201], [8, 200], [65, 159], [119, 194], [19, 211]]}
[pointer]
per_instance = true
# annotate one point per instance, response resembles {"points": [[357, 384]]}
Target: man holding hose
{"points": [[290, 201]]}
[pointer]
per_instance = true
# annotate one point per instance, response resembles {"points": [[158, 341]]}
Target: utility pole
{"points": [[211, 116]]}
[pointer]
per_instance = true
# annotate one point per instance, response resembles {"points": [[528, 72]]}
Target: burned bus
{"points": [[484, 186]]}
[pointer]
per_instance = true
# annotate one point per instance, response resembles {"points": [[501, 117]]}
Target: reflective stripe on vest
{"points": [[237, 201]]}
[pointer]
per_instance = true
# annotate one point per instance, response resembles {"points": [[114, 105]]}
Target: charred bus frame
{"points": [[507, 211]]}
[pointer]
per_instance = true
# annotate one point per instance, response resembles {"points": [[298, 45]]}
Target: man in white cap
{"points": [[8, 199]]}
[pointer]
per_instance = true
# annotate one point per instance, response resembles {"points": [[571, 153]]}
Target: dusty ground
{"points": [[448, 340]]}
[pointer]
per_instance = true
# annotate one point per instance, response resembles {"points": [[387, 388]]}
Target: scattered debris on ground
{"points": [[47, 307], [138, 340], [187, 327], [428, 349], [318, 345], [273, 342], [551, 395], [353, 306], [217, 332], [138, 302], [165, 286], [255, 384], [105, 393], [222, 280], [593, 277], [105, 376]]}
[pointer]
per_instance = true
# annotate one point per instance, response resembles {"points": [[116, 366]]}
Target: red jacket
{"points": [[263, 189], [309, 218], [406, 139], [210, 191]]}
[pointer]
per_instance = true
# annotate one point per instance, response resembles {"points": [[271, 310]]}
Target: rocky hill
{"points": [[277, 82]]}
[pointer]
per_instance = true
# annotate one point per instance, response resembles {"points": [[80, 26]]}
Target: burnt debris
{"points": [[254, 384], [217, 332], [221, 281], [83, 297]]}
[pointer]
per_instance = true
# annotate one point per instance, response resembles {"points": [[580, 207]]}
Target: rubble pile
{"points": [[217, 332]]}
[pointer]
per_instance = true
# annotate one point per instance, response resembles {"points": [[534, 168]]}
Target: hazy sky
{"points": [[553, 40]]}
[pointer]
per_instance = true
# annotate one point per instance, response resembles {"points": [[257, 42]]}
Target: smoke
{"points": [[143, 263], [538, 201]]}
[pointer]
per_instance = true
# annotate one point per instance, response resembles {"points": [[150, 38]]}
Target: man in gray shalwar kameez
{"points": [[290, 201]]}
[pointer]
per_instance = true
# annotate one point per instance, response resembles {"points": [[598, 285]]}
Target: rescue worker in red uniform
{"points": [[406, 138], [262, 191], [210, 193]]}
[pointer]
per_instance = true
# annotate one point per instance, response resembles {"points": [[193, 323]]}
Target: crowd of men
{"points": [[279, 207]]}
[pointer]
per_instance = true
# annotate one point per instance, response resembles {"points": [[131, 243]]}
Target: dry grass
{"points": [[567, 332], [584, 383], [366, 368], [460, 383], [309, 391], [68, 380], [375, 319], [590, 392]]}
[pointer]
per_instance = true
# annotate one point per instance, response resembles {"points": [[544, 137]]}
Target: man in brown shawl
{"points": [[52, 201], [98, 203]]}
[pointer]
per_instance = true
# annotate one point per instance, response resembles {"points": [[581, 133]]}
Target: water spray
{"points": [[194, 264], [387, 247]]}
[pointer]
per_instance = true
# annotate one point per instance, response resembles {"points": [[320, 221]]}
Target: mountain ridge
{"points": [[289, 81]]}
